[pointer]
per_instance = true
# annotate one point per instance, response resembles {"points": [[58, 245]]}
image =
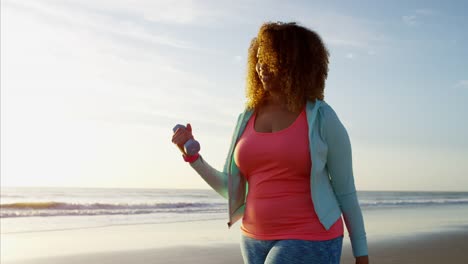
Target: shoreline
{"points": [[441, 246]]}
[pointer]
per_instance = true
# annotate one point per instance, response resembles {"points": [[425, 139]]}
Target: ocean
{"points": [[45, 209]]}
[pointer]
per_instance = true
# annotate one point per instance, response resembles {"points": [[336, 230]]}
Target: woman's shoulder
{"points": [[320, 105], [330, 120], [327, 110]]}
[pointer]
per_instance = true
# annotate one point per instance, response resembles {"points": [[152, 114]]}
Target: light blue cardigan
{"points": [[331, 178]]}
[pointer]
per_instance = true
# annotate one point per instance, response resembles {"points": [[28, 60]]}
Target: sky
{"points": [[90, 90]]}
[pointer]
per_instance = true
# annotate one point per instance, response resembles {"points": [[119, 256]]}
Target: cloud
{"points": [[102, 24], [417, 17], [462, 84], [410, 20], [237, 58], [350, 55], [355, 34], [137, 20], [208, 13], [101, 68], [425, 11], [347, 31]]}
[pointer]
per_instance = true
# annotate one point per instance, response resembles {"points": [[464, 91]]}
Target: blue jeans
{"points": [[290, 251]]}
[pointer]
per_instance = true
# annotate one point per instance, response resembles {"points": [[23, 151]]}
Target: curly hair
{"points": [[295, 54]]}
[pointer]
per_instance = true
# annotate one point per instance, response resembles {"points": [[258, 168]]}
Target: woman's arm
{"points": [[340, 168], [216, 179]]}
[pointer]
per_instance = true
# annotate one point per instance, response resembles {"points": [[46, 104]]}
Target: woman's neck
{"points": [[276, 99]]}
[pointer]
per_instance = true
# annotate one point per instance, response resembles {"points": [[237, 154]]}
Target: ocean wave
{"points": [[55, 208], [61, 208], [44, 213], [11, 196], [402, 203]]}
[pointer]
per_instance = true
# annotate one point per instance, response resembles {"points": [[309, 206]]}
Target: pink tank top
{"points": [[277, 167]]}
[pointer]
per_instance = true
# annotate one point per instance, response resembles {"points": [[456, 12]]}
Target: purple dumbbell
{"points": [[191, 147]]}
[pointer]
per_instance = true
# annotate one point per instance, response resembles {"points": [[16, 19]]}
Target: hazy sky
{"points": [[90, 90]]}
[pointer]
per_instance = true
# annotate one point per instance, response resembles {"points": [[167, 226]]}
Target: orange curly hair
{"points": [[296, 54]]}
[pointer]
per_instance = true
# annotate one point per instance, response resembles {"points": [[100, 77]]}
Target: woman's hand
{"points": [[181, 136], [362, 260]]}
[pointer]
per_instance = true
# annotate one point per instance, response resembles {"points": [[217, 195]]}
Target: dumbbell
{"points": [[191, 147]]}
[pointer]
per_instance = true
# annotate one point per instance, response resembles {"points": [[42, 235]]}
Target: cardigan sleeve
{"points": [[339, 164], [218, 180]]}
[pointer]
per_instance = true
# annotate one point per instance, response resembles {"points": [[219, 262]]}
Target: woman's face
{"points": [[265, 76]]}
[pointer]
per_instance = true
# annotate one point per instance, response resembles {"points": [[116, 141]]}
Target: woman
{"points": [[288, 173]]}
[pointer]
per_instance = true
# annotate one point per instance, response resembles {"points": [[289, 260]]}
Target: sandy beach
{"points": [[438, 247], [435, 233]]}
